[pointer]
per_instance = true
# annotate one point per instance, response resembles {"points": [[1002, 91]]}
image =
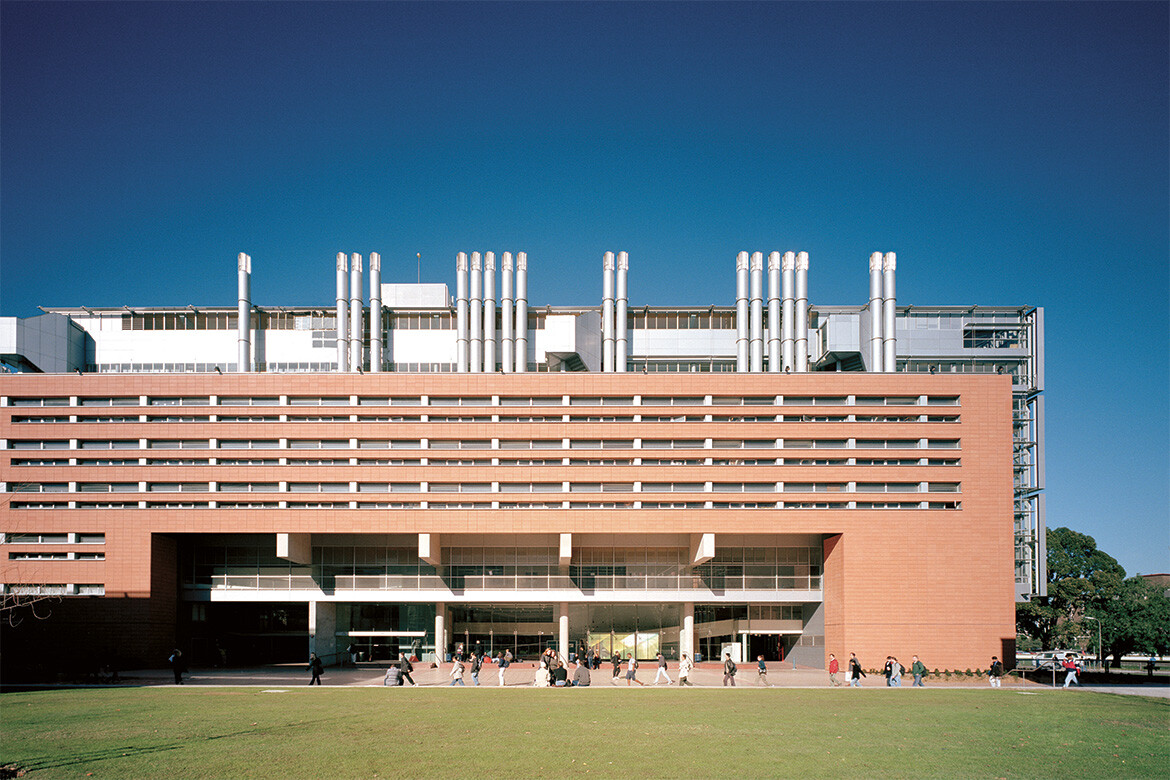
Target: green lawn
{"points": [[205, 732]]}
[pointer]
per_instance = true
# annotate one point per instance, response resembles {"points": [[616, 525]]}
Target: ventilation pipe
{"points": [[355, 312], [461, 313], [757, 312], [507, 315], [244, 313], [342, 312], [475, 337], [741, 312], [802, 312], [375, 312], [607, 312], [774, 312], [889, 342], [622, 339], [875, 312], [788, 317], [489, 312], [521, 312]]}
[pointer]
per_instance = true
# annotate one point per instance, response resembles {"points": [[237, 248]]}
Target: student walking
{"points": [[895, 672], [761, 672], [457, 673], [855, 671], [476, 665], [995, 673], [632, 671], [684, 670], [1070, 667], [729, 671], [662, 670], [834, 667], [405, 667], [502, 663], [314, 669], [918, 669], [616, 659]]}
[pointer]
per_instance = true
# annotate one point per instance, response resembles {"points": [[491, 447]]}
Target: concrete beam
{"points": [[429, 548], [566, 556], [702, 548], [297, 548]]}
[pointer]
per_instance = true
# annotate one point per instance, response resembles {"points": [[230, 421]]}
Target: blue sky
{"points": [[1009, 153]]}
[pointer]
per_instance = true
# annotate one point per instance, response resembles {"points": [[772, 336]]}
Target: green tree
{"points": [[1079, 576], [1134, 619]]}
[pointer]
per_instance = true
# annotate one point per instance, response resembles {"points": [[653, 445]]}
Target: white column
{"points": [[323, 631], [741, 312], [355, 312], [461, 312], [607, 312], [875, 312], [774, 361], [802, 311], [756, 341], [489, 312], [687, 637], [375, 311], [440, 633], [563, 633], [475, 337], [342, 312], [788, 316], [889, 315], [621, 340], [244, 313], [507, 316], [521, 312]]}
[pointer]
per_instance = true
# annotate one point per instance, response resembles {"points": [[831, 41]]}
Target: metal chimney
{"points": [[741, 312], [244, 313], [802, 311], [774, 312], [622, 342], [489, 312], [875, 312], [461, 312], [521, 312], [355, 312], [342, 312], [376, 343], [889, 316], [788, 317], [757, 313], [507, 316], [607, 264], [475, 337]]}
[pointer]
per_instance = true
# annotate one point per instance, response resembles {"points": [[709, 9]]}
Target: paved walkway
{"points": [[520, 675]]}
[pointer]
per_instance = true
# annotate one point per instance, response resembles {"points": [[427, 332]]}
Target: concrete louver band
{"points": [[756, 341], [342, 312], [889, 322], [376, 343], [489, 312], [774, 312], [475, 335], [788, 316], [801, 312], [521, 312], [355, 312], [507, 316], [741, 312], [461, 312], [621, 340], [244, 313], [607, 306], [875, 312]]}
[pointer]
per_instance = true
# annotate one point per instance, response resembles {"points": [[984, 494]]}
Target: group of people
{"points": [[893, 671]]}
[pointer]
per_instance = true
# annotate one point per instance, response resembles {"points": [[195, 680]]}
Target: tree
{"points": [[1134, 619], [1079, 576]]}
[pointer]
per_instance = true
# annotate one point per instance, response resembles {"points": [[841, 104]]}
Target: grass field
{"points": [[208, 732]]}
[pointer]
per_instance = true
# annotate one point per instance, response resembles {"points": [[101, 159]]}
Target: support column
{"points": [[563, 634], [687, 638], [440, 633], [323, 631]]}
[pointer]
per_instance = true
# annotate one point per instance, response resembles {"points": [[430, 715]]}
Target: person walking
{"points": [[1070, 668], [895, 672], [887, 670], [353, 653], [684, 670], [995, 673], [918, 669], [456, 673], [405, 667], [834, 667], [178, 665], [729, 671], [616, 659], [632, 671], [855, 671], [502, 663], [662, 670], [476, 665], [761, 672], [314, 669]]}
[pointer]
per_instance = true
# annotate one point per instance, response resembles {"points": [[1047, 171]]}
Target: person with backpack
{"points": [[315, 669], [855, 671], [729, 670], [632, 671], [662, 670], [918, 669], [995, 673], [405, 667], [476, 665]]}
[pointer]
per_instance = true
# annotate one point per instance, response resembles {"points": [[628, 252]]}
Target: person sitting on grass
{"points": [[581, 674], [560, 675]]}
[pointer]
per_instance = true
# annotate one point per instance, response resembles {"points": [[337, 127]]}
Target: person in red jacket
{"points": [[1070, 667], [834, 667]]}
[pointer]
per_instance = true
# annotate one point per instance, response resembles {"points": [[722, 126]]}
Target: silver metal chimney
{"points": [[342, 312], [757, 313], [489, 312], [889, 316], [802, 311], [507, 316], [774, 312], [741, 312], [375, 312], [475, 337], [607, 264], [244, 313], [521, 312], [788, 317], [875, 312], [461, 313], [622, 342], [355, 312]]}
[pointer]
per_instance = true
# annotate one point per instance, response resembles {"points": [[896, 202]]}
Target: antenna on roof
{"points": [[418, 269]]}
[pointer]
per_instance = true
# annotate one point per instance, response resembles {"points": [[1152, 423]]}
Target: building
{"points": [[765, 478]]}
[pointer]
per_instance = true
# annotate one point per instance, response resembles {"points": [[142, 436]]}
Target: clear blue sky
{"points": [[1009, 153]]}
